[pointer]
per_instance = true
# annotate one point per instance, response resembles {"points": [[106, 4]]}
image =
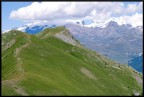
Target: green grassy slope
{"points": [[50, 66]]}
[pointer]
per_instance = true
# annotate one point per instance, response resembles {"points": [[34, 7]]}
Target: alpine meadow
{"points": [[72, 48]]}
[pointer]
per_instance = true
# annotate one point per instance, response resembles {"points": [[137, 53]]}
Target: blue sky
{"points": [[16, 21], [7, 7]]}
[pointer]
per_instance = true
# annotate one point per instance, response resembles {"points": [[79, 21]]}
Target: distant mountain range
{"points": [[94, 23], [114, 39], [117, 41], [33, 28]]}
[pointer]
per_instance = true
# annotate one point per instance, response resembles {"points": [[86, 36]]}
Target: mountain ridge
{"points": [[51, 66], [122, 37]]}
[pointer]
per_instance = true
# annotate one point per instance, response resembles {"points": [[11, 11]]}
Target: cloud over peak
{"points": [[97, 11]]}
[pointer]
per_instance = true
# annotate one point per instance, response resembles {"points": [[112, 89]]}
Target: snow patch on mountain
{"points": [[82, 22], [34, 27], [118, 20]]}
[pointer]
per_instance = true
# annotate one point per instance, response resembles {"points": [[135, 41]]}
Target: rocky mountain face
{"points": [[114, 41]]}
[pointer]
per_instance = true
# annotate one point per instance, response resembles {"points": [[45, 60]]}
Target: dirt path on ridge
{"points": [[13, 82]]}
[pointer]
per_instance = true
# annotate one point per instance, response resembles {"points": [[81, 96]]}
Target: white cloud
{"points": [[53, 10], [135, 20], [97, 11], [133, 8]]}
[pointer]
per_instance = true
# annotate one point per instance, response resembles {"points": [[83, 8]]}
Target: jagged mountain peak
{"points": [[94, 23], [113, 24]]}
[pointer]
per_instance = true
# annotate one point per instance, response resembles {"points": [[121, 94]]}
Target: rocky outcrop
{"points": [[66, 37]]}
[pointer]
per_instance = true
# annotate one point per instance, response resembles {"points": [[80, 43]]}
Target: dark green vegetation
{"points": [[45, 65]]}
